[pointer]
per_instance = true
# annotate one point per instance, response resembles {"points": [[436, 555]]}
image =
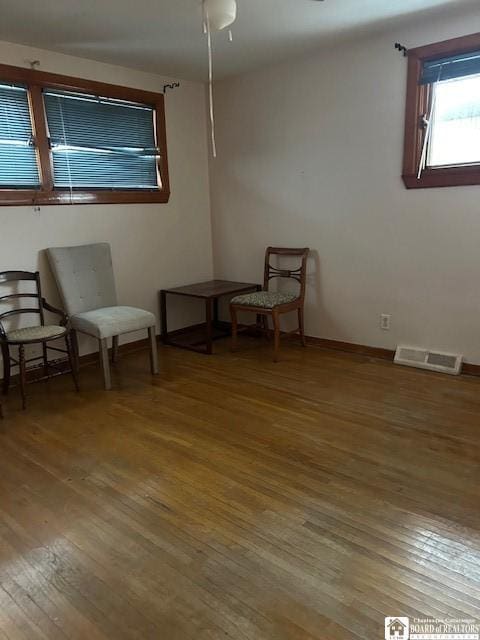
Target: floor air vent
{"points": [[432, 360]]}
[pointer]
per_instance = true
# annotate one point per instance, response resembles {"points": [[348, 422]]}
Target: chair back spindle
{"points": [[14, 277], [298, 274]]}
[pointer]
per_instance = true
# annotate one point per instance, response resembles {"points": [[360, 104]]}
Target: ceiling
{"points": [[165, 36]]}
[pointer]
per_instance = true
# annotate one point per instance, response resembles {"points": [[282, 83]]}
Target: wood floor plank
{"points": [[231, 497]]}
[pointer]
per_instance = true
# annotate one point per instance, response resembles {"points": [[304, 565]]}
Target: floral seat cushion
{"points": [[27, 334], [264, 299]]}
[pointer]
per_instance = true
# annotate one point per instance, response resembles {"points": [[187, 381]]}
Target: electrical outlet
{"points": [[385, 320]]}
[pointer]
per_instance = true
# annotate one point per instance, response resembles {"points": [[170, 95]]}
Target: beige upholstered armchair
{"points": [[84, 276]]}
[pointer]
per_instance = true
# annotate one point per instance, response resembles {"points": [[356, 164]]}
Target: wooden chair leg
{"points": [[276, 331], [75, 350], [114, 349], [301, 328], [71, 359], [234, 320], [23, 375], [6, 368], [45, 359], [103, 344], [152, 335]]}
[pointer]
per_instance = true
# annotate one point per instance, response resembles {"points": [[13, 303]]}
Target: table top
{"points": [[212, 288]]}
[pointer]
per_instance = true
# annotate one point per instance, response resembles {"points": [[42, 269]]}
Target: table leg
{"points": [[209, 334], [163, 316], [215, 312]]}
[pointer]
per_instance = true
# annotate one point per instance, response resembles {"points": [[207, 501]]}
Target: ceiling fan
{"points": [[223, 13]]}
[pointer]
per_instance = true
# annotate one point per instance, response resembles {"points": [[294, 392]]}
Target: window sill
{"points": [[33, 198], [451, 177]]}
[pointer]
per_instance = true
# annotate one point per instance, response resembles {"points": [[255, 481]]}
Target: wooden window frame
{"points": [[418, 104], [36, 81]]}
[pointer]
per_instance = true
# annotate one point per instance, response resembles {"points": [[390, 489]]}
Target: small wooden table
{"points": [[210, 291]]}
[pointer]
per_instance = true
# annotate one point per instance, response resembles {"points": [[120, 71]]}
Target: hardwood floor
{"points": [[232, 497]]}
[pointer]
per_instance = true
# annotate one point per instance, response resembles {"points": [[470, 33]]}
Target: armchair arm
{"points": [[58, 312]]}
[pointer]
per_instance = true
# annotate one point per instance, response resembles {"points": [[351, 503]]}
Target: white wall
{"points": [[310, 154], [153, 245]]}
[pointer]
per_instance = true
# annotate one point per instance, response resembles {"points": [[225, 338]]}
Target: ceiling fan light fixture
{"points": [[220, 13]]}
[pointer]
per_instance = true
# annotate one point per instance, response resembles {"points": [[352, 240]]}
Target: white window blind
{"points": [[101, 143], [18, 161]]}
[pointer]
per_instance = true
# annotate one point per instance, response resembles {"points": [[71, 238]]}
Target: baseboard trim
{"points": [[324, 343], [350, 347], [470, 369], [62, 366], [337, 345], [375, 352]]}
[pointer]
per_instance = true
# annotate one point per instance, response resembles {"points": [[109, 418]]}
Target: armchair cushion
{"points": [[264, 299], [37, 333], [112, 321]]}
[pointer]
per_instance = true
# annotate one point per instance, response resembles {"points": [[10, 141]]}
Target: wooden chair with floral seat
{"points": [[39, 334], [274, 303]]}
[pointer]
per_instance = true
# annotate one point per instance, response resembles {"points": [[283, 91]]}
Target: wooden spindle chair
{"points": [[41, 334]]}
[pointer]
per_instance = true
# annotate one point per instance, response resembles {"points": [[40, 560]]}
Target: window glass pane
{"points": [[455, 135], [101, 143], [18, 160]]}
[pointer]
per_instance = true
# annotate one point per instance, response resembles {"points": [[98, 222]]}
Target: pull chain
{"points": [[210, 88], [227, 16]]}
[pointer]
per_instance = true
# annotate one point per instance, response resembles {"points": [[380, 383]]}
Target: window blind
{"points": [[458, 66], [18, 161], [101, 143]]}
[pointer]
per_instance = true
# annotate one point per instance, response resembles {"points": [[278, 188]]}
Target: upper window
{"points": [[66, 141], [18, 162], [442, 132], [455, 135]]}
